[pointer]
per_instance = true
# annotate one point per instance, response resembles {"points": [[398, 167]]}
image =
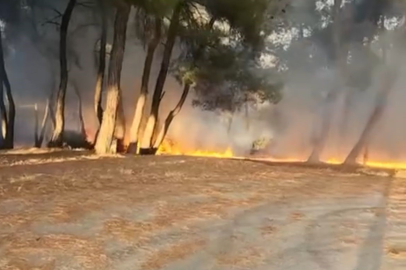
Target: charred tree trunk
{"points": [[230, 121], [385, 88], [346, 113], [40, 137], [104, 140], [140, 105], [11, 112], [147, 140], [338, 56], [384, 58], [120, 128], [3, 118], [102, 65], [36, 125], [51, 101], [57, 136], [80, 111], [366, 155], [162, 134], [158, 135], [247, 116], [321, 139], [8, 142]]}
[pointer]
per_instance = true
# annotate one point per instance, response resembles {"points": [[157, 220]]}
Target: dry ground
{"points": [[69, 210]]}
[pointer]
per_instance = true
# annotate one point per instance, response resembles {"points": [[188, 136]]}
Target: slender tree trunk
{"points": [[3, 118], [80, 111], [247, 117], [346, 113], [36, 124], [40, 137], [158, 138], [51, 100], [230, 121], [384, 58], [9, 136], [321, 139], [340, 60], [11, 112], [104, 140], [386, 86], [162, 134], [366, 155], [147, 140], [140, 105], [102, 64], [57, 136], [120, 128]]}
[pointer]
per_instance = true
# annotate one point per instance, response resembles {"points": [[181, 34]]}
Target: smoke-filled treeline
{"points": [[321, 78], [342, 62]]}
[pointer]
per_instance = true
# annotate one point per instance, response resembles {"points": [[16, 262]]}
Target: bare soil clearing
{"points": [[67, 210]]}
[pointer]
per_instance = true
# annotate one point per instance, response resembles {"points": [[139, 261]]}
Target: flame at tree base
{"points": [[168, 147]]}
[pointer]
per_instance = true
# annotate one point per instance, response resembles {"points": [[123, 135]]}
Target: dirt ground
{"points": [[71, 210]]}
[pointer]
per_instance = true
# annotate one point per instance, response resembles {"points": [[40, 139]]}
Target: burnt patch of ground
{"points": [[70, 210]]}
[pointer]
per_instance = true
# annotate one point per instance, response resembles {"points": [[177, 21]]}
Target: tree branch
{"points": [[162, 96], [51, 22], [57, 12], [85, 4]]}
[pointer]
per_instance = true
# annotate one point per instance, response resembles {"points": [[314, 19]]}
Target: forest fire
{"points": [[375, 163], [168, 147], [386, 165]]}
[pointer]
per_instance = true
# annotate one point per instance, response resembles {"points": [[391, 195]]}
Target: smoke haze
{"points": [[306, 70]]}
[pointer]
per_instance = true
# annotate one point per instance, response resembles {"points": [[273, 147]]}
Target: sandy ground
{"points": [[73, 211]]}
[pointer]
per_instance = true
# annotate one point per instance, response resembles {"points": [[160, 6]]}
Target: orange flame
{"points": [[169, 147]]}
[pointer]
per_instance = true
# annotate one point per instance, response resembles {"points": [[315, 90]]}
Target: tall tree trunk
{"points": [[9, 136], [340, 59], [11, 112], [41, 135], [120, 128], [345, 115], [57, 136], [321, 139], [147, 140], [247, 117], [162, 134], [36, 126], [51, 100], [102, 65], [104, 140], [387, 83], [3, 118], [384, 58], [230, 121], [80, 111], [158, 136], [140, 105]]}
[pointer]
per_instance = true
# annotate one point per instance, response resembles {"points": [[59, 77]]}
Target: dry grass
{"points": [[297, 216], [127, 231], [172, 254], [247, 258], [88, 254], [65, 210], [268, 230]]}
